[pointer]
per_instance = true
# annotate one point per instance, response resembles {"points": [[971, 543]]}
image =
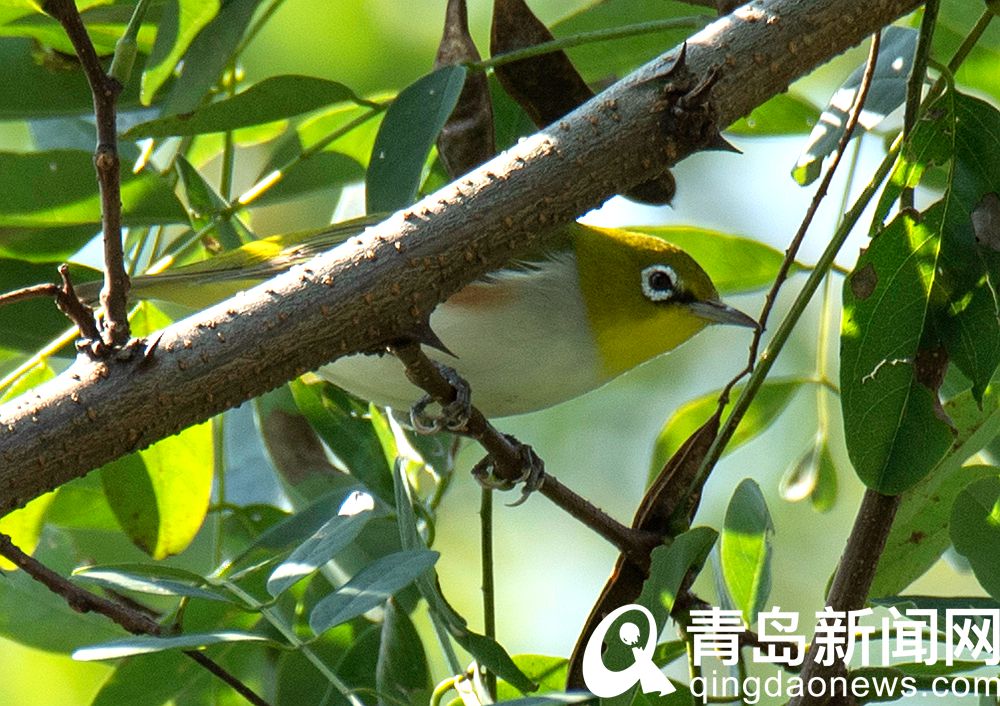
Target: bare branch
{"points": [[382, 286], [132, 619], [105, 89]]}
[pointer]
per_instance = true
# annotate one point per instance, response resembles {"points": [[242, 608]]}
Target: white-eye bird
{"points": [[593, 304]]}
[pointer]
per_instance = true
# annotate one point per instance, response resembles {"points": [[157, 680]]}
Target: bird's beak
{"points": [[718, 313]]}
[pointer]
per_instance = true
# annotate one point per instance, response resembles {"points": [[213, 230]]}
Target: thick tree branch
{"points": [[381, 286], [852, 581]]}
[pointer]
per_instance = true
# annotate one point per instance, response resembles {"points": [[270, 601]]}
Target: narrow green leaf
{"points": [[208, 55], [38, 244], [408, 131], [745, 549], [770, 401], [180, 23], [322, 172], [147, 644], [56, 188], [24, 526], [401, 672], [160, 495], [735, 264], [370, 587], [549, 673], [151, 579], [888, 91], [58, 85], [975, 530], [320, 548], [152, 679], [291, 531], [204, 206], [274, 98], [342, 423], [486, 651]]}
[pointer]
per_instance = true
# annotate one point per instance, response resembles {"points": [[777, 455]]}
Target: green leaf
{"points": [[43, 620], [401, 673], [975, 530], [322, 172], [813, 475], [889, 372], [370, 587], [38, 244], [156, 580], [24, 526], [57, 188], [735, 264], [147, 644], [549, 673], [160, 495], [887, 92], [320, 548], [486, 651], [404, 140], [671, 565], [205, 205], [770, 401], [341, 422], [920, 531], [152, 679], [274, 98], [180, 23], [745, 549], [784, 114], [58, 85], [285, 534], [208, 56]]}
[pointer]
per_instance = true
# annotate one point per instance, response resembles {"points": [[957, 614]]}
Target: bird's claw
{"points": [[532, 470], [453, 416]]}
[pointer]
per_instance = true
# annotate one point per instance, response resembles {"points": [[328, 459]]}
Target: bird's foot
{"points": [[530, 472], [453, 416]]}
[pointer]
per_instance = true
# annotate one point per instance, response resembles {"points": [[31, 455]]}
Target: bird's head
{"points": [[644, 296]]}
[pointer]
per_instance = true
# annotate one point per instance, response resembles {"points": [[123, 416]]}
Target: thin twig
{"points": [[509, 455], [134, 621], [66, 299], [105, 89], [489, 582], [915, 83], [760, 367], [853, 579]]}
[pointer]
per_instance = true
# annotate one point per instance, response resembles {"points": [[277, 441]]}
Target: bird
{"points": [[589, 305]]}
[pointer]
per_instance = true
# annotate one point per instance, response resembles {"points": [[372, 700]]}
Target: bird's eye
{"points": [[659, 283]]}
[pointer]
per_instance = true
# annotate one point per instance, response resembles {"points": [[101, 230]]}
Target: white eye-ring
{"points": [[659, 282]]}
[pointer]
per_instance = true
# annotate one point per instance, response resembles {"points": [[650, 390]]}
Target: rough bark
{"points": [[378, 287]]}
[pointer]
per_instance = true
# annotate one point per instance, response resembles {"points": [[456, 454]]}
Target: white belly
{"points": [[522, 343]]}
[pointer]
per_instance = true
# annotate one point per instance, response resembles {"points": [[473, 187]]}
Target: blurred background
{"points": [[549, 568]]}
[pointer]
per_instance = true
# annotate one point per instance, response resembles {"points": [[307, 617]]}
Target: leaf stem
{"points": [[600, 35], [489, 585], [271, 615]]}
